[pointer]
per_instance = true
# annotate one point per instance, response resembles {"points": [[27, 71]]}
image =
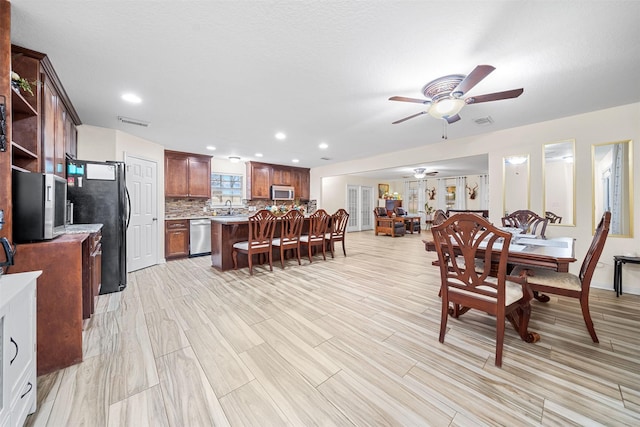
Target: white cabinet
{"points": [[17, 347]]}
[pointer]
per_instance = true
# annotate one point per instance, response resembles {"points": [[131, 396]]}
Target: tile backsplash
{"points": [[175, 207]]}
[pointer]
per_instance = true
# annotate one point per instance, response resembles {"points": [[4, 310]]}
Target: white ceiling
{"points": [[233, 73]]}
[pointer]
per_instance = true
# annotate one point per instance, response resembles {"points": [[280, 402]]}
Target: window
{"points": [[226, 187]]}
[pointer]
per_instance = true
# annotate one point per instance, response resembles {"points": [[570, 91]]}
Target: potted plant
{"points": [[428, 210], [20, 83]]}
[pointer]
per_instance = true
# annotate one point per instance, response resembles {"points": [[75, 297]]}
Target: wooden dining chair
{"points": [[528, 221], [261, 228], [290, 230], [337, 230], [553, 218], [568, 284], [457, 242], [318, 223], [439, 217]]}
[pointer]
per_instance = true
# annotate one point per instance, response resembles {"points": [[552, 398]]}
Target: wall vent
{"points": [[484, 121], [135, 122], [325, 158]]}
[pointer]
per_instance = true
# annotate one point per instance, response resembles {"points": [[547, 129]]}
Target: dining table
{"points": [[530, 251], [554, 253]]}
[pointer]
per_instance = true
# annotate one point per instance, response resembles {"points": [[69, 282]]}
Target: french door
{"points": [[360, 207]]}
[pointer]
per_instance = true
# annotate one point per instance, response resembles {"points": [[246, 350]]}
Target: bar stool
{"points": [[617, 271]]}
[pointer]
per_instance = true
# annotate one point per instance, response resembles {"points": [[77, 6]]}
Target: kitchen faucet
{"points": [[225, 203]]}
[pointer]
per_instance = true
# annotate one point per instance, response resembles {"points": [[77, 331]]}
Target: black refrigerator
{"points": [[98, 194]]}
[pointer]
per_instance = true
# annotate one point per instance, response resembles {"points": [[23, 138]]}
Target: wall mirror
{"points": [[515, 183], [612, 171], [559, 200]]}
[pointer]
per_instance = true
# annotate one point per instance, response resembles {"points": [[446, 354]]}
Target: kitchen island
{"points": [[227, 230]]}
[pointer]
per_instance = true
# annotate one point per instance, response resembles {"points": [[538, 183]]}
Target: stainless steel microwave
{"points": [[282, 192], [39, 206]]}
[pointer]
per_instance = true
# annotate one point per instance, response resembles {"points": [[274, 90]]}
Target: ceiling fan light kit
{"points": [[445, 95], [419, 173]]}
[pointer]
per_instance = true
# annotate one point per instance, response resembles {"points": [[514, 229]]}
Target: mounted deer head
{"points": [[472, 191], [431, 192]]}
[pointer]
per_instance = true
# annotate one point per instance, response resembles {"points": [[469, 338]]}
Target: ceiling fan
{"points": [[445, 95], [420, 173]]}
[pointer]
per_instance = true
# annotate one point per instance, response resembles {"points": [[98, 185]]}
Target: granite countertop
{"points": [[82, 228], [177, 218]]}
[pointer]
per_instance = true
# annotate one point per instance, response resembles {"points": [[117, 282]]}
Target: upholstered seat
{"points": [[290, 230], [570, 285], [337, 230], [261, 227], [463, 288], [388, 225], [318, 223], [528, 221]]}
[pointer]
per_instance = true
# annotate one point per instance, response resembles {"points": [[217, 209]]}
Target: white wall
{"points": [[334, 190], [614, 124]]}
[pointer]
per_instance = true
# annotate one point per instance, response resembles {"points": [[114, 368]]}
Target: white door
{"points": [[360, 207], [366, 205], [142, 234]]}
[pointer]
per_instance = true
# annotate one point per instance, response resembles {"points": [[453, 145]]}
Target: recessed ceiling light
{"points": [[211, 147], [323, 145], [234, 159], [295, 160], [280, 135], [132, 98], [258, 154]]}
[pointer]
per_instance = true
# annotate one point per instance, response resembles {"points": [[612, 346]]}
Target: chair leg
{"points": [[584, 304], [309, 252], [271, 259], [443, 319], [331, 247], [324, 252], [282, 255], [234, 255], [250, 263], [343, 248], [499, 339]]}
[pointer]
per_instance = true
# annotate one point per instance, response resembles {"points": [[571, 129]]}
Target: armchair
{"points": [[388, 225]]}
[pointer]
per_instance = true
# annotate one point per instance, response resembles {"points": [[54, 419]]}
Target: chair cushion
{"points": [[513, 291], [278, 241], [241, 245], [305, 238], [542, 276], [245, 246]]}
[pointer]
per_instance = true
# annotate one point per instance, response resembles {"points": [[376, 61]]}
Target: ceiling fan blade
{"points": [[403, 99], [452, 119], [478, 73], [507, 94], [410, 117]]}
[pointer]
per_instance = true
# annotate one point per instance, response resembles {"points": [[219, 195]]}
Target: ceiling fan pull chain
{"points": [[444, 129]]}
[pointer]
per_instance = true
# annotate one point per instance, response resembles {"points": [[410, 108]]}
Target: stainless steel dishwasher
{"points": [[199, 237]]}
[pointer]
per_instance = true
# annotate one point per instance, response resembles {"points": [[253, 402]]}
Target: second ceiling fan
{"points": [[445, 95]]}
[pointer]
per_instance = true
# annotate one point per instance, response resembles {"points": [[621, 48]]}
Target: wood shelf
{"points": [[21, 152], [20, 106]]}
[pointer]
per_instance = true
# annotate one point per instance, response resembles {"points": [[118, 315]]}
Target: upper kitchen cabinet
{"points": [[261, 176], [258, 180], [43, 124], [187, 175]]}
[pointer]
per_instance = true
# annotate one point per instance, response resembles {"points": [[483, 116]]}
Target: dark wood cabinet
{"points": [[187, 175], [44, 124], [95, 272], [258, 180], [176, 238], [59, 297], [261, 176]]}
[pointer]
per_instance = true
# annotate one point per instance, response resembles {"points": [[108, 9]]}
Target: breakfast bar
{"points": [[227, 230]]}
